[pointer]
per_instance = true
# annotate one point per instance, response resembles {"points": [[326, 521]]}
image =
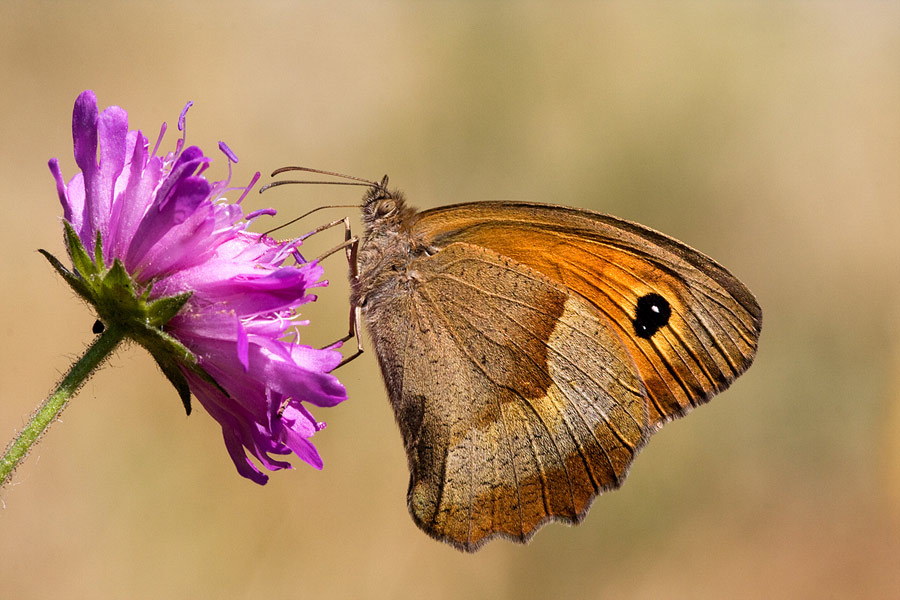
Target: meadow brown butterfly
{"points": [[530, 350]]}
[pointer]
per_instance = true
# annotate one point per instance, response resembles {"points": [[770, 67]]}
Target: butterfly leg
{"points": [[351, 247], [354, 332], [344, 220]]}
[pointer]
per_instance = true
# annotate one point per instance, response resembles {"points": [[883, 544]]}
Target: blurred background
{"points": [[767, 135]]}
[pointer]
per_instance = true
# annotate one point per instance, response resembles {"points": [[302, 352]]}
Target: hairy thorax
{"points": [[386, 253]]}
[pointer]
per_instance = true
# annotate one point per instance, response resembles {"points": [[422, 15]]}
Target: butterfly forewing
{"points": [[689, 325]]}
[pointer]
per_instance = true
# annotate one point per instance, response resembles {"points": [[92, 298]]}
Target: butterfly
{"points": [[530, 350]]}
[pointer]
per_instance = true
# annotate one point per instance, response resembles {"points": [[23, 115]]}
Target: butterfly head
{"points": [[383, 206]]}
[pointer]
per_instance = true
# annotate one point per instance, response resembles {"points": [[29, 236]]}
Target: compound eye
{"points": [[385, 207]]}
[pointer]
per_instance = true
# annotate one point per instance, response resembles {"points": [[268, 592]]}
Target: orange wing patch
{"points": [[711, 334]]}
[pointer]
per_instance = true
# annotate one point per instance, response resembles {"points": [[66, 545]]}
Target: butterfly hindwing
{"points": [[516, 400]]}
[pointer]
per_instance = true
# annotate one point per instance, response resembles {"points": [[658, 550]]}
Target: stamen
{"points": [[182, 115], [232, 157], [299, 257], [263, 211], [182, 127], [249, 187], [162, 132]]}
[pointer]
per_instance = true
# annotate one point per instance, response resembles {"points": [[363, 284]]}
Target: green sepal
{"points": [[169, 354], [118, 282], [81, 260], [118, 304], [170, 369], [160, 311], [116, 300], [160, 343], [75, 282], [98, 252]]}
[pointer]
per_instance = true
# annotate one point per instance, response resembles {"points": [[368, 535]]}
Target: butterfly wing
{"points": [[515, 400], [689, 325]]}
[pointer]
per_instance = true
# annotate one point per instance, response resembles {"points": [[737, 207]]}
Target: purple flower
{"points": [[177, 271]]}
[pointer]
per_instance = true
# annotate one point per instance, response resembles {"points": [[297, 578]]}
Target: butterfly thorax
{"points": [[387, 248]]}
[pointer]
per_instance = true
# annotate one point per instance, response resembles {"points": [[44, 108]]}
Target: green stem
{"points": [[48, 412]]}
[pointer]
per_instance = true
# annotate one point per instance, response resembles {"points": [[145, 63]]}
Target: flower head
{"points": [[167, 260]]}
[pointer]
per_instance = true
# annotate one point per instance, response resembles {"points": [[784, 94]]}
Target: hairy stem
{"points": [[50, 410]]}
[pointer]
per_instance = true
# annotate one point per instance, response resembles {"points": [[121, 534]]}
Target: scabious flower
{"points": [[169, 263]]}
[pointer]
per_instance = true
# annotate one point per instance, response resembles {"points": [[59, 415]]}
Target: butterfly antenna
{"points": [[321, 172], [357, 181], [353, 180]]}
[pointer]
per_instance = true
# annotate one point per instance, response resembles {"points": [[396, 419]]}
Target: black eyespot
{"points": [[653, 312], [98, 327]]}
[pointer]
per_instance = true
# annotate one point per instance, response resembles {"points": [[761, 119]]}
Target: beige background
{"points": [[765, 134]]}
